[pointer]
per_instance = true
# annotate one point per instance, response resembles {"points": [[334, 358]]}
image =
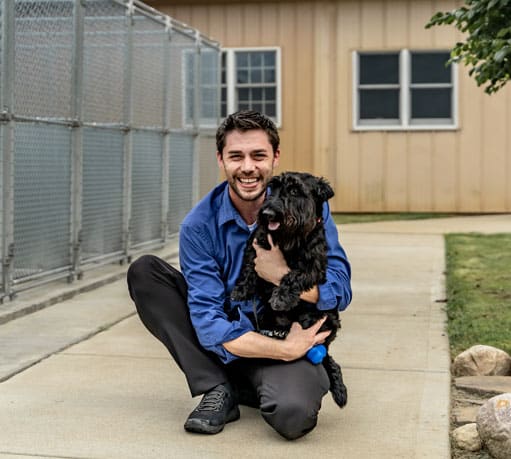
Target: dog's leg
{"points": [[337, 387], [287, 295]]}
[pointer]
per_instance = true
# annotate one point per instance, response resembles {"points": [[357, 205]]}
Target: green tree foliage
{"points": [[487, 48]]}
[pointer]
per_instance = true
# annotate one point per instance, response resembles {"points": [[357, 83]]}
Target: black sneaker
{"points": [[217, 408]]}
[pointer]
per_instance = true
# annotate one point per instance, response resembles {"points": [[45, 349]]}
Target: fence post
{"points": [[196, 119], [165, 210], [77, 141], [7, 126], [128, 132]]}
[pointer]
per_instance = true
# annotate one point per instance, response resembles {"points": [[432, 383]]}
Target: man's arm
{"points": [[295, 345]]}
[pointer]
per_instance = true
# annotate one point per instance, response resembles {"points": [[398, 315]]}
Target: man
{"points": [[213, 341]]}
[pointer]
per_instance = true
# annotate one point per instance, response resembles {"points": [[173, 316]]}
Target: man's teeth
{"points": [[248, 180]]}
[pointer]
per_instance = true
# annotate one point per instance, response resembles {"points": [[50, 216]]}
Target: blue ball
{"points": [[316, 354]]}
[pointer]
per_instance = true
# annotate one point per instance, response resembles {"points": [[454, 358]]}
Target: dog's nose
{"points": [[269, 213]]}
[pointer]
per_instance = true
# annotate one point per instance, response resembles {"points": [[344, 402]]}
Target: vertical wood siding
{"points": [[466, 170]]}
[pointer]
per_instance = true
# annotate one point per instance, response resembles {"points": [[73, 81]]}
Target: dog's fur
{"points": [[292, 214]]}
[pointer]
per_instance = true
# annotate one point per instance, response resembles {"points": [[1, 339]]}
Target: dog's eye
{"points": [[293, 192]]}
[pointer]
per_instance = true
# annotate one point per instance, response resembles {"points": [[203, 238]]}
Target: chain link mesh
{"points": [[42, 197], [104, 62], [146, 183], [180, 185], [103, 162], [43, 50], [148, 72]]}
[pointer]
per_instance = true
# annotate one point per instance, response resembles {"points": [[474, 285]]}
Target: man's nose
{"points": [[248, 165]]}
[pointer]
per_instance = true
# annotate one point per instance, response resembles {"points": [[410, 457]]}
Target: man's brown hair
{"points": [[245, 120]]}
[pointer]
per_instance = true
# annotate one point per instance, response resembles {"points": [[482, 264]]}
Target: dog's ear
{"points": [[323, 190], [275, 182]]}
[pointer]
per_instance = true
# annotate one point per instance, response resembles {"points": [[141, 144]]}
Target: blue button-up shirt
{"points": [[211, 245]]}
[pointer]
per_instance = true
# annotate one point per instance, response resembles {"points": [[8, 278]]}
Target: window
{"points": [[208, 61], [404, 90], [251, 80]]}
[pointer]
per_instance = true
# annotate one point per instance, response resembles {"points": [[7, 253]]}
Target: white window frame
{"points": [[208, 123], [405, 121], [230, 77]]}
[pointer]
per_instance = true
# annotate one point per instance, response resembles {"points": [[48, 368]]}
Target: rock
{"points": [[465, 414], [485, 385], [467, 437], [494, 426], [481, 360]]}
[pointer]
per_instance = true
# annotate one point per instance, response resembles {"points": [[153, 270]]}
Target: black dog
{"points": [[292, 214]]}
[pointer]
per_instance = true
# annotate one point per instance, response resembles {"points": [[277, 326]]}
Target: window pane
{"points": [[270, 109], [379, 68], [257, 94], [256, 76], [242, 76], [270, 94], [241, 59], [269, 76], [430, 68], [243, 94], [257, 107], [243, 106], [431, 103], [256, 59], [379, 103], [269, 58], [224, 66]]}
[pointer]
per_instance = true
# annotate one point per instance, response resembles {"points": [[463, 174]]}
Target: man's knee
{"points": [[140, 268], [290, 417]]}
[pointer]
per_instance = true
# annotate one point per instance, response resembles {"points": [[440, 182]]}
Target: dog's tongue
{"points": [[272, 226]]}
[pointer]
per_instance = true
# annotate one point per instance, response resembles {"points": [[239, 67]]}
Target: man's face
{"points": [[248, 160]]}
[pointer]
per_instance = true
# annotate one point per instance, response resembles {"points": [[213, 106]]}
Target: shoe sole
{"points": [[202, 427]]}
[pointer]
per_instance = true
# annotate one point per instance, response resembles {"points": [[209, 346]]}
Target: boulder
{"points": [[494, 426], [481, 360], [467, 437]]}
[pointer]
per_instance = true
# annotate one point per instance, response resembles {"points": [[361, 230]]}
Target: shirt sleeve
{"points": [[206, 294], [336, 291]]}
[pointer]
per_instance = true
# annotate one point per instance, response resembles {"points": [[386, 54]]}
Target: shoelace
{"points": [[212, 401]]}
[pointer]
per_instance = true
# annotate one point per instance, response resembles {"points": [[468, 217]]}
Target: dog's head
{"points": [[295, 204]]}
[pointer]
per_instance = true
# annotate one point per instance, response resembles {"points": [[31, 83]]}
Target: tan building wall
{"points": [[463, 170]]}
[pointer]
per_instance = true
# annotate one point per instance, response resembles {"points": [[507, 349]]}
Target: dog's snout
{"points": [[268, 212]]}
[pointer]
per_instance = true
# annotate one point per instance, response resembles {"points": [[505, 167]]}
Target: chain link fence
{"points": [[108, 110]]}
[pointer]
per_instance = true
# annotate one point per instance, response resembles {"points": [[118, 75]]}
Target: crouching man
{"points": [[214, 341]]}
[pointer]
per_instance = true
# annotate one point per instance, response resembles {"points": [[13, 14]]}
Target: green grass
{"points": [[478, 285], [342, 218]]}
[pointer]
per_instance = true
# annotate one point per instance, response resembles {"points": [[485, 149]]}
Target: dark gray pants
{"points": [[288, 394]]}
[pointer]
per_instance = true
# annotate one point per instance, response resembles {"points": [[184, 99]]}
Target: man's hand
{"points": [[270, 265], [299, 340]]}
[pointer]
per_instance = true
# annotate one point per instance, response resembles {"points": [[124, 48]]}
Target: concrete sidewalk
{"points": [[83, 378]]}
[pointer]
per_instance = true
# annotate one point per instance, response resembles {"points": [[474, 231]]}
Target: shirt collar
{"points": [[227, 211]]}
